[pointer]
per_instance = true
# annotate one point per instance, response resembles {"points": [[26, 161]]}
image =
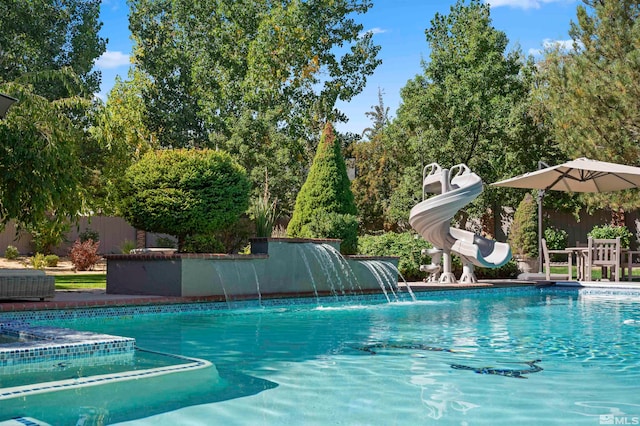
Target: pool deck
{"points": [[70, 299]]}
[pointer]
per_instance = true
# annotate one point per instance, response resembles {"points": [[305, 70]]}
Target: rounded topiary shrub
{"points": [[184, 192], [327, 191]]}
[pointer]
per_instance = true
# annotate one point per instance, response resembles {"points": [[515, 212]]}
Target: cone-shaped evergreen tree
{"points": [[324, 206]]}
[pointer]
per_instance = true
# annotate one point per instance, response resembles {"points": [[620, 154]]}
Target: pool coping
{"points": [[80, 299]]}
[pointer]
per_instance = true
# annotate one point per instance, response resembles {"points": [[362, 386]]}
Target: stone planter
{"points": [[527, 264]]}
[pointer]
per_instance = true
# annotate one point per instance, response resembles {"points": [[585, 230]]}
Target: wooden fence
{"points": [[115, 231]]}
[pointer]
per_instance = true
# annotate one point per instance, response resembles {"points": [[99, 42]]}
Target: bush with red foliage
{"points": [[84, 255]]}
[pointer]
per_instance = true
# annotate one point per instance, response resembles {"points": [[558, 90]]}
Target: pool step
{"points": [[32, 346]]}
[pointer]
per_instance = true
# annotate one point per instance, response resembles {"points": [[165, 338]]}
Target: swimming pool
{"points": [[376, 363]]}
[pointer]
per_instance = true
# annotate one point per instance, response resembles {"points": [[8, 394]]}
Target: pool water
{"points": [[548, 357]]}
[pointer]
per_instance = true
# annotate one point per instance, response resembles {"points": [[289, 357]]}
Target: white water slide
{"points": [[431, 218]]}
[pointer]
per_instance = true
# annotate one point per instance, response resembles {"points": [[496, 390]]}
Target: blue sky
{"points": [[398, 27]]}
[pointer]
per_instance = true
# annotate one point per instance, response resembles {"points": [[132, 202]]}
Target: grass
{"points": [[81, 281]]}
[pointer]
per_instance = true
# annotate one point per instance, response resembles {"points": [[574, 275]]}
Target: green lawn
{"points": [[81, 281]]}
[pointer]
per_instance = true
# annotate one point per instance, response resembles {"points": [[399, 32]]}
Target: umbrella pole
{"points": [[541, 165], [540, 197]]}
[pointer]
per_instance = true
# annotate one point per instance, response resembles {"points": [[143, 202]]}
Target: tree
{"points": [[49, 35], [591, 92], [523, 234], [372, 185], [471, 105], [41, 174], [256, 78], [48, 160], [184, 192], [121, 136], [324, 206], [379, 116]]}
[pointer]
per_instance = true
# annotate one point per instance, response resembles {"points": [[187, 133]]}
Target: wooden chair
{"points": [[606, 254], [632, 261], [549, 262]]}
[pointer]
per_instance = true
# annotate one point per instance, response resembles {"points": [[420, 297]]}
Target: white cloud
{"points": [[112, 59], [524, 4], [373, 31], [547, 43]]}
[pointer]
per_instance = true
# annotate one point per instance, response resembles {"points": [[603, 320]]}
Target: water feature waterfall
{"points": [[324, 260], [275, 267]]}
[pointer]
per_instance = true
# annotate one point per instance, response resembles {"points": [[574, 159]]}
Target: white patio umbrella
{"points": [[580, 175]]}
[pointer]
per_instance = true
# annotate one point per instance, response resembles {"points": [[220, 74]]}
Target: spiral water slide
{"points": [[431, 218]]}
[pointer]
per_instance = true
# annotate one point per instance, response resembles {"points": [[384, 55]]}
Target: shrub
{"points": [[523, 235], [89, 234], [84, 255], [166, 242], [557, 239], [508, 270], [127, 246], [334, 225], [610, 231], [327, 190], [11, 253], [51, 260], [203, 244], [37, 261], [184, 192], [406, 245], [236, 236], [48, 233]]}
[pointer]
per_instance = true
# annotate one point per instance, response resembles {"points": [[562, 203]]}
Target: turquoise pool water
{"points": [[377, 364]]}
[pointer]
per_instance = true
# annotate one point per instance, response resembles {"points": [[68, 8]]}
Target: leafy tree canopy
{"points": [[41, 171], [256, 78], [47, 35], [471, 105], [591, 92]]}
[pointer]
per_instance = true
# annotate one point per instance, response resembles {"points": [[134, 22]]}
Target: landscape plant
{"points": [[84, 255], [51, 260], [89, 234], [166, 242], [37, 261], [325, 205], [184, 193], [11, 252], [523, 233], [556, 239], [265, 214], [406, 245], [612, 232], [48, 233], [127, 246]]}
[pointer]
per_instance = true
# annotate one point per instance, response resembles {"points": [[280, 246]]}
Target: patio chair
{"points": [[606, 254], [550, 259]]}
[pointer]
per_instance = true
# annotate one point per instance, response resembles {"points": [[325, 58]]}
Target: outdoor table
{"points": [[581, 259], [582, 256]]}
